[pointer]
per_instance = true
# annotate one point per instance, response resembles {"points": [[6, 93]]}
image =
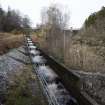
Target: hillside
{"points": [[90, 42], [93, 31]]}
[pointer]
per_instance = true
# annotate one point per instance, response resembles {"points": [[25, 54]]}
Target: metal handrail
{"points": [[51, 97]]}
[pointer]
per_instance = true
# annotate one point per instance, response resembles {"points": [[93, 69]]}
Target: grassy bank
{"points": [[9, 41], [21, 89]]}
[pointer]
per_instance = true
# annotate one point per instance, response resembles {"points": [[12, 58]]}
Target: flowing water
{"points": [[55, 88]]}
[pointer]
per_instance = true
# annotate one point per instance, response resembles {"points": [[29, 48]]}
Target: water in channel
{"points": [[55, 88]]}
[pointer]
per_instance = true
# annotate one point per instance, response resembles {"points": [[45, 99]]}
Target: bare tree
{"points": [[26, 22], [54, 22], [55, 17]]}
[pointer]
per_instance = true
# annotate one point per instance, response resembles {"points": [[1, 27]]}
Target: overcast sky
{"points": [[79, 9]]}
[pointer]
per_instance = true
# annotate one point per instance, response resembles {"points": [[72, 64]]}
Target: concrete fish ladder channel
{"points": [[53, 88]]}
